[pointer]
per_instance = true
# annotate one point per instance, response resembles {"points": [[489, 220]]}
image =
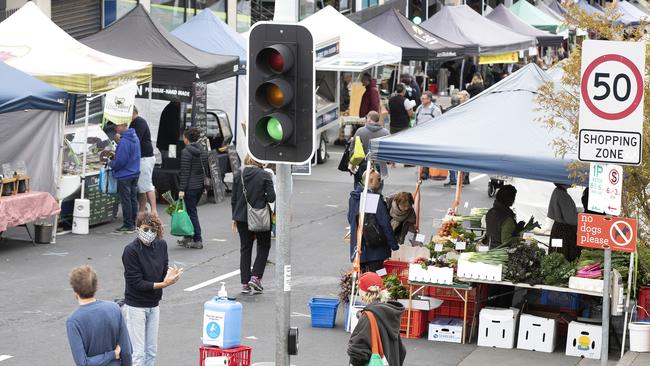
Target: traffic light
{"points": [[281, 125]]}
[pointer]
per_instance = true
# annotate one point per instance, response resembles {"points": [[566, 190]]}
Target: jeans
{"points": [[192, 198], [128, 190], [453, 175], [142, 324], [247, 237]]}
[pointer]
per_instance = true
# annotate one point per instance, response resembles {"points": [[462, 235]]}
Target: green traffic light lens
{"points": [[274, 129]]}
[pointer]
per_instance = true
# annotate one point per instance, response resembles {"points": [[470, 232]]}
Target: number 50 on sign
{"points": [[611, 102]]}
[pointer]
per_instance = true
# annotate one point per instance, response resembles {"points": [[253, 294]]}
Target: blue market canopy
{"points": [[21, 91], [496, 132], [210, 34]]}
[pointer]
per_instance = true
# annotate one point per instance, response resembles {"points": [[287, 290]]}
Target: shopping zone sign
{"points": [[607, 232], [611, 102]]}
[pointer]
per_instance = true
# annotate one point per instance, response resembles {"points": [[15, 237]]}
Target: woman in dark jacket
{"points": [[194, 162], [562, 210], [402, 214], [476, 86], [259, 193]]}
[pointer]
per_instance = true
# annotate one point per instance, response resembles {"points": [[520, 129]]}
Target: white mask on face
{"points": [[146, 237]]}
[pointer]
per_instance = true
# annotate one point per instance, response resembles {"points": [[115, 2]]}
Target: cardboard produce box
{"points": [[537, 333], [446, 330]]}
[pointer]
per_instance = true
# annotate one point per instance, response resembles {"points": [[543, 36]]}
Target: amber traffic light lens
{"points": [[274, 95]]}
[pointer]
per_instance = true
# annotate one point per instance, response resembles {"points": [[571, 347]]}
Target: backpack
{"points": [[372, 232]]}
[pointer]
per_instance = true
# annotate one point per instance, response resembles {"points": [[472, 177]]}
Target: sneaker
{"points": [[449, 184], [184, 242], [195, 245], [256, 284], [125, 230], [245, 289]]}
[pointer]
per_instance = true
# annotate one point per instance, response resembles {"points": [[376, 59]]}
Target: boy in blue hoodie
{"points": [[126, 169]]}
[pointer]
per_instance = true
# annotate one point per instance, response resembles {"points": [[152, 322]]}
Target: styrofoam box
{"points": [[353, 313], [478, 271], [446, 330], [536, 333], [442, 275], [587, 284], [584, 340], [497, 327], [423, 303]]}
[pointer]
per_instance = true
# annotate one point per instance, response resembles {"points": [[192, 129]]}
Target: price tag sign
{"points": [[483, 248], [420, 238], [556, 243], [438, 248], [461, 245]]}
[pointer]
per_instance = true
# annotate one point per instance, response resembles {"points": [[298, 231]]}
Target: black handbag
{"points": [[372, 233], [345, 159]]}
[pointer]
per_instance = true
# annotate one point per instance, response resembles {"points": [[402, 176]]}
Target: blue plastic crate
{"points": [[563, 300], [323, 312]]}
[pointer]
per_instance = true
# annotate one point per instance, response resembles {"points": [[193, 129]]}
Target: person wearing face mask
{"points": [[146, 273], [564, 213], [374, 250]]}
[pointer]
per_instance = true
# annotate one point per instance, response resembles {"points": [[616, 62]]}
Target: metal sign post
{"points": [[283, 264]]}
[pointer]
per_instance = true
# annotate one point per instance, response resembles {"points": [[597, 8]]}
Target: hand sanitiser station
{"points": [[222, 321]]}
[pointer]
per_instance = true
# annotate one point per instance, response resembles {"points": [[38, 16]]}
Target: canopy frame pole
{"points": [[149, 113], [236, 107], [62, 119], [459, 189], [83, 164], [627, 302], [356, 265]]}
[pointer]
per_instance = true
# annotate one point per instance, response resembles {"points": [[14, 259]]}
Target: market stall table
{"points": [[24, 208]]}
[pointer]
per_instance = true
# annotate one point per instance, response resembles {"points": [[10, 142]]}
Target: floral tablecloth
{"points": [[27, 207]]}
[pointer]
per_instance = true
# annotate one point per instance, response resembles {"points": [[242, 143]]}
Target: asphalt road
{"points": [[35, 298]]}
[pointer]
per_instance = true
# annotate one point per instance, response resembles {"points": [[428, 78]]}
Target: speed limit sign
{"points": [[611, 102]]}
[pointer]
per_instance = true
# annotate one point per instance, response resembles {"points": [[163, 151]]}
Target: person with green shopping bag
{"points": [[387, 315], [194, 168]]}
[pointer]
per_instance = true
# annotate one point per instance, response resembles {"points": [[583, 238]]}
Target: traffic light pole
{"points": [[283, 263]]}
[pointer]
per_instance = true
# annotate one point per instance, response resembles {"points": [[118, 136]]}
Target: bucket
{"points": [[640, 337], [323, 312], [43, 233]]}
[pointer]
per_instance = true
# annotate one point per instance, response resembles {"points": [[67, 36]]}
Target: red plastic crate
{"points": [[399, 269], [418, 324], [238, 356], [644, 302], [455, 309], [449, 294]]}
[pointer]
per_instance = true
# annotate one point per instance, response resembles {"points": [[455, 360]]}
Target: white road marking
{"points": [[214, 280], [221, 240], [62, 254], [5, 357], [474, 179], [252, 338], [296, 314], [333, 206]]}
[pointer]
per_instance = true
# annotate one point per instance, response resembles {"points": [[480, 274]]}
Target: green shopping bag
{"points": [[181, 223], [377, 358], [358, 155]]}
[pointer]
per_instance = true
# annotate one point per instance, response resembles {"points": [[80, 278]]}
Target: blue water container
{"points": [[222, 323]]}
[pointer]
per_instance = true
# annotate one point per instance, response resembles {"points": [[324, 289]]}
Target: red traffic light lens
{"points": [[275, 59]]}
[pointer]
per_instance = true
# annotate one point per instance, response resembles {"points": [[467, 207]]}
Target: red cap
{"points": [[369, 279]]}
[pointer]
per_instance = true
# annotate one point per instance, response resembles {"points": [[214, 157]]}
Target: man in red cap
{"points": [[388, 315]]}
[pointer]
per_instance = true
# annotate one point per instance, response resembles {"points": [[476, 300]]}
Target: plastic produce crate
{"points": [[449, 294], [418, 324], [238, 356], [564, 300], [644, 302], [399, 269], [323, 312], [455, 309]]}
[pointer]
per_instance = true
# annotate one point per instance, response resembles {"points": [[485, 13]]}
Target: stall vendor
{"points": [[501, 223], [562, 210], [402, 214]]}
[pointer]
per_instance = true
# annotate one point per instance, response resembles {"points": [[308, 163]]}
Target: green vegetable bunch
{"points": [[556, 269], [395, 288], [524, 264], [494, 256], [173, 204]]}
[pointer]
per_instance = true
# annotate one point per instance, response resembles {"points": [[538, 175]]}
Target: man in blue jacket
{"points": [[372, 254], [126, 169]]}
